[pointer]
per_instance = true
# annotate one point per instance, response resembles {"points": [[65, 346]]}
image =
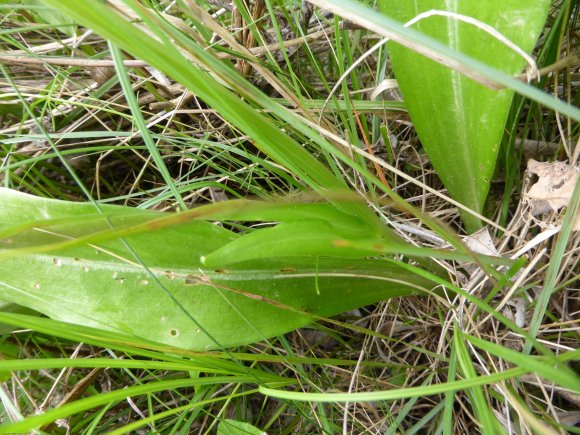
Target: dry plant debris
{"points": [[553, 190]]}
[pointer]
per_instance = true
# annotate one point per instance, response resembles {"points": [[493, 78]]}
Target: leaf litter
{"points": [[553, 190]]}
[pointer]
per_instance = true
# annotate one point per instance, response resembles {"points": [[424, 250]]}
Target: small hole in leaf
{"points": [[174, 332]]}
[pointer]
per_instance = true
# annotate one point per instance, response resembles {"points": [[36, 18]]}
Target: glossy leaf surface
{"points": [[175, 299], [234, 427], [460, 122]]}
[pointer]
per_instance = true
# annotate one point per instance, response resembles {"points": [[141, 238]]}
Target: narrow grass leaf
{"points": [[131, 427], [142, 125], [560, 373], [554, 266], [404, 393], [164, 55], [478, 400], [77, 406], [206, 362]]}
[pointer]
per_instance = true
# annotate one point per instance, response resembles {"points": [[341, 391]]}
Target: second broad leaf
{"points": [[460, 122]]}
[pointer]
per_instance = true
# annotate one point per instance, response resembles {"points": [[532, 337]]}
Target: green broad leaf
{"points": [[234, 427], [317, 237], [461, 122], [153, 285], [299, 209], [113, 222], [292, 239]]}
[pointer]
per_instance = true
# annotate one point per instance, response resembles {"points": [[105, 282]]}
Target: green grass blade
{"points": [[560, 374], [132, 427], [478, 400], [403, 393], [165, 56], [449, 400], [554, 266], [141, 124], [75, 407]]}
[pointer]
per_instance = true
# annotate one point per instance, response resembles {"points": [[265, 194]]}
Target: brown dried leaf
{"points": [[481, 243], [554, 187]]}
